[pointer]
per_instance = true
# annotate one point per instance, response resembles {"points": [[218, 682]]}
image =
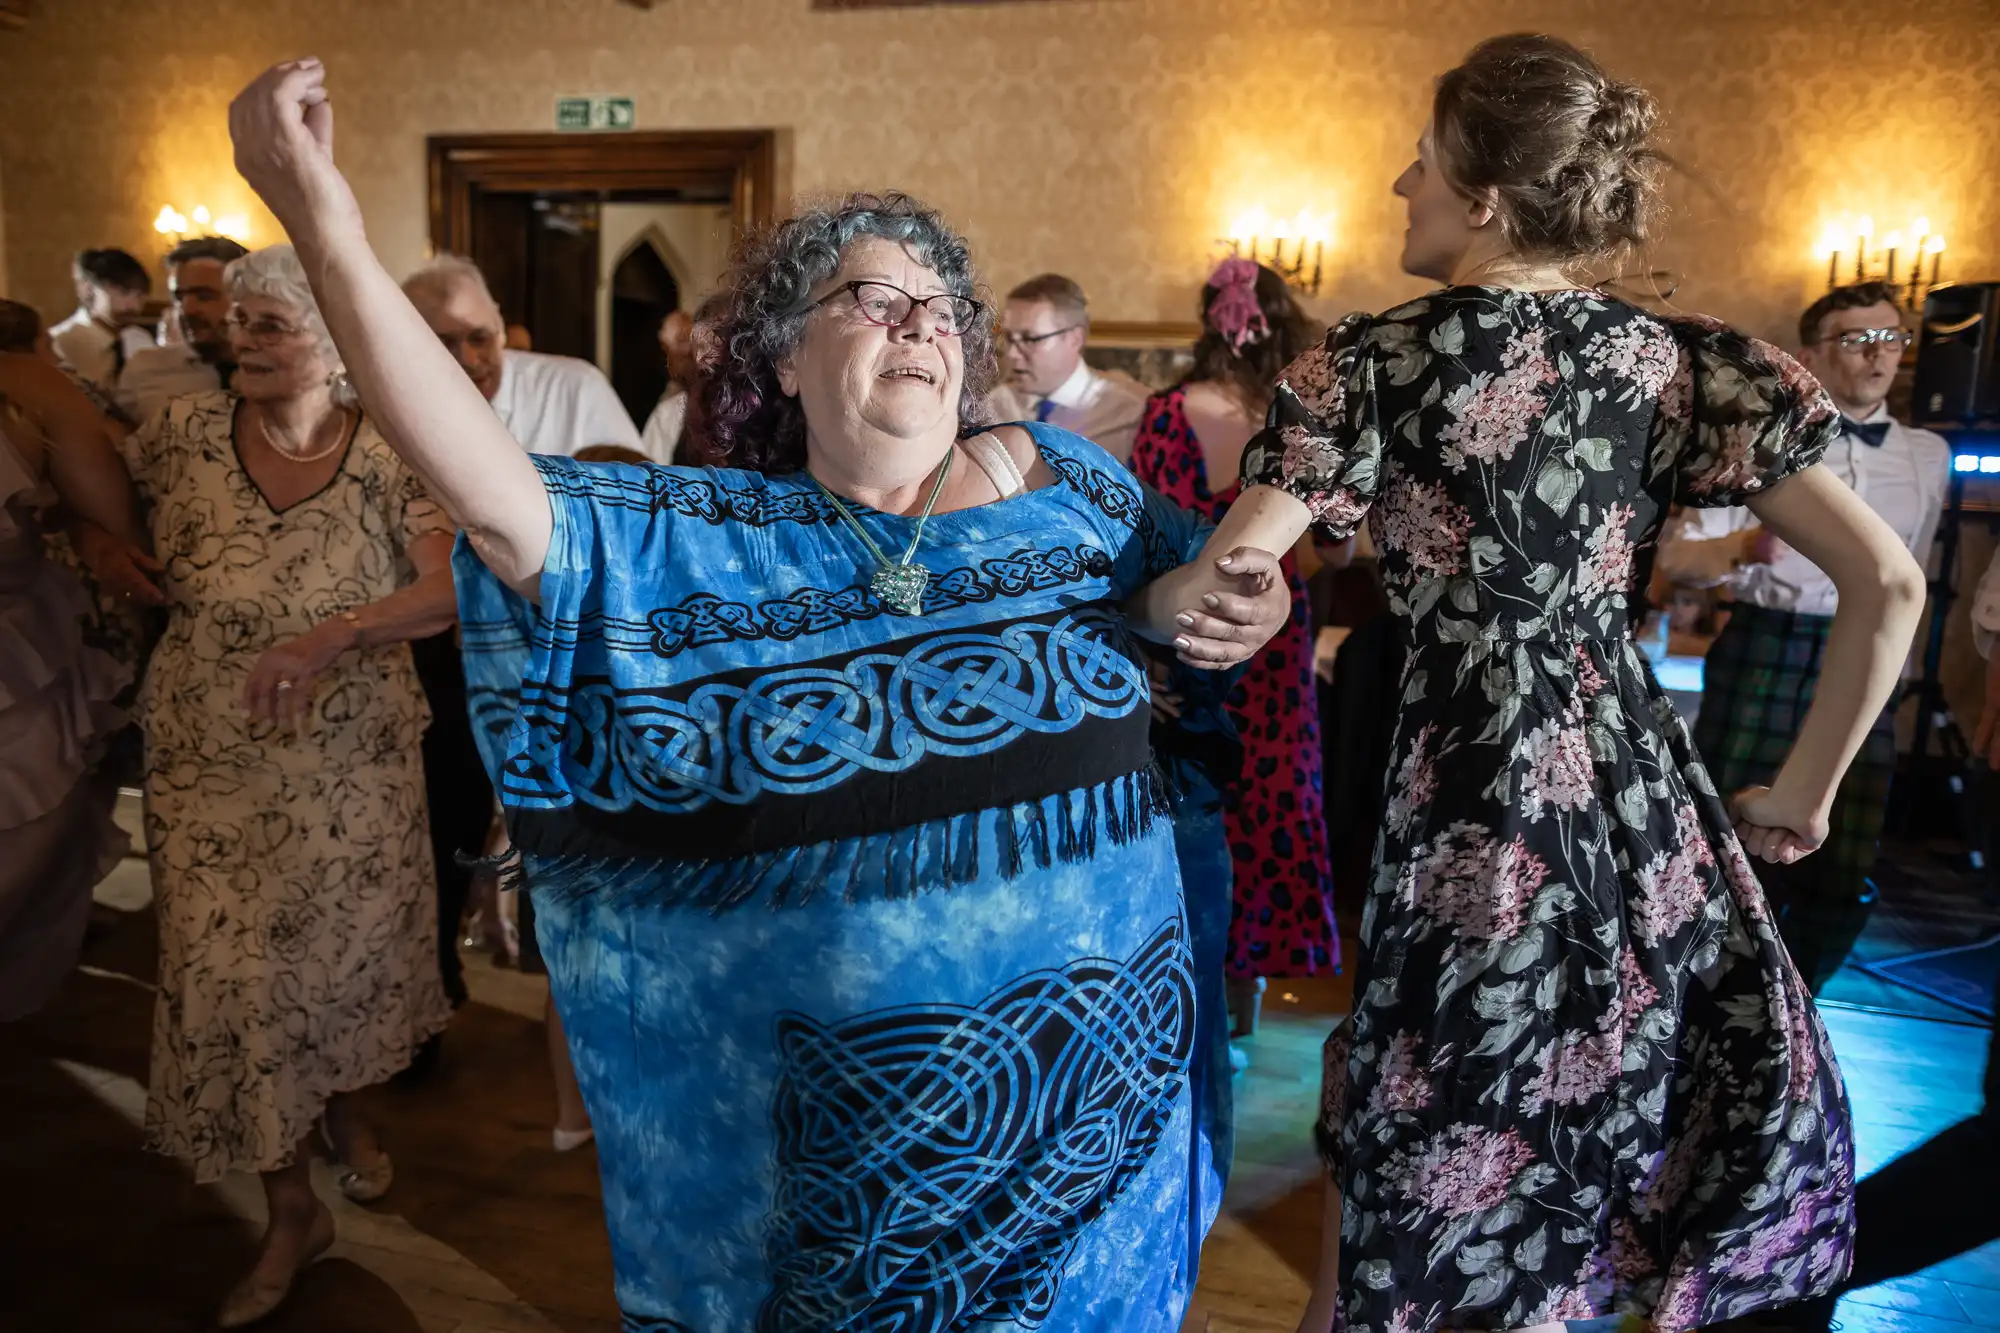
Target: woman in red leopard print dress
{"points": [[1188, 446]]}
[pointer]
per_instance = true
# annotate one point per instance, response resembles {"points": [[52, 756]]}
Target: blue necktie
{"points": [[1046, 410], [1870, 433]]}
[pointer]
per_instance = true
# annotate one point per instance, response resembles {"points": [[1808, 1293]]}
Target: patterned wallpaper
{"points": [[1112, 139]]}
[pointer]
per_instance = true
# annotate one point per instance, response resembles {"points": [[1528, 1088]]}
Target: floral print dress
{"points": [[292, 868], [1582, 1076]]}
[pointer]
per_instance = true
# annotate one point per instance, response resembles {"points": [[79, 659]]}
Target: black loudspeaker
{"points": [[1958, 377]]}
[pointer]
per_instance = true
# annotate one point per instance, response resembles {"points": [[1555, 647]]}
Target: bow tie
{"points": [[1870, 433]]}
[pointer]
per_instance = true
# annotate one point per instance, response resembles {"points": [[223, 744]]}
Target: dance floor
{"points": [[488, 1231]]}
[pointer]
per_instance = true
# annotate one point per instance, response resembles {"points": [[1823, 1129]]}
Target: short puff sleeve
{"points": [[1738, 417], [1322, 442]]}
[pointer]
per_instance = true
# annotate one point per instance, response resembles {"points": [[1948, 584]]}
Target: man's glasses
{"points": [[889, 306], [1026, 340], [262, 329], [1863, 340]]}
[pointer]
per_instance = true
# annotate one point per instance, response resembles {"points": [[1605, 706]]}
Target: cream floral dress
{"points": [[293, 872]]}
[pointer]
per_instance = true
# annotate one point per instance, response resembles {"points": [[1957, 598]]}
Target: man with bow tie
{"points": [[1763, 667]]}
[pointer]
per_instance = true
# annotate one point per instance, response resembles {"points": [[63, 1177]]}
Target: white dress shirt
{"points": [[1904, 481], [558, 405], [662, 437], [93, 351], [1103, 406], [154, 376]]}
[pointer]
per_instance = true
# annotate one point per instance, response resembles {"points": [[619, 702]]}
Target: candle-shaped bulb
{"points": [[1865, 229], [200, 216], [1934, 245], [1920, 228]]}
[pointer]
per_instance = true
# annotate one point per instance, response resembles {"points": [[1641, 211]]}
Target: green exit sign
{"points": [[595, 113]]}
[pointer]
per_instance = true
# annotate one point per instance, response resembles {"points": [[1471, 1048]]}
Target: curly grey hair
{"points": [[276, 274], [748, 421]]}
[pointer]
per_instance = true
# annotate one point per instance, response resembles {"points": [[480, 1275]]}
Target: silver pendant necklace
{"points": [[900, 585]]}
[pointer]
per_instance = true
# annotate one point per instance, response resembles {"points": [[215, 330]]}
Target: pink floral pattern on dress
{"points": [[1608, 568], [1463, 1170], [1422, 522], [1559, 768], [1404, 1085], [1581, 1075], [1627, 355], [1477, 885], [1414, 784], [1493, 413]]}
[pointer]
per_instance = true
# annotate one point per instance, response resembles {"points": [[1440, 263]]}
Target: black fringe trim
{"points": [[938, 854], [505, 866]]}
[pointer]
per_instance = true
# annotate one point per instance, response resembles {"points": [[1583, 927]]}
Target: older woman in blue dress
{"points": [[830, 772]]}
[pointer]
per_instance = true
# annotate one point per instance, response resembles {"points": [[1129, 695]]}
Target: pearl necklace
{"points": [[270, 442]]}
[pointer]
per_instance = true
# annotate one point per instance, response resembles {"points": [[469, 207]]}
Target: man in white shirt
{"points": [[550, 404], [1763, 668], [111, 288], [1042, 332], [201, 360]]}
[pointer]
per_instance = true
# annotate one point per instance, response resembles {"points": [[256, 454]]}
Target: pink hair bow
{"points": [[1235, 313]]}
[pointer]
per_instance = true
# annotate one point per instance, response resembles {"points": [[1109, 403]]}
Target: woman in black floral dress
{"points": [[1582, 1078]]}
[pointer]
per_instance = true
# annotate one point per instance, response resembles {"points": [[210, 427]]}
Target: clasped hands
{"points": [[1217, 613]]}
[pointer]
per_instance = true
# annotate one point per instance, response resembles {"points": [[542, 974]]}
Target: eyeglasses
{"points": [[1008, 339], [1863, 340], [890, 307], [262, 329]]}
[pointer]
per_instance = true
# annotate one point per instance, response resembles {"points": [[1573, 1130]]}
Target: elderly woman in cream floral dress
{"points": [[284, 794]]}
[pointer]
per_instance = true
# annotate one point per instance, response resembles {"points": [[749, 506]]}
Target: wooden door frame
{"points": [[739, 161]]}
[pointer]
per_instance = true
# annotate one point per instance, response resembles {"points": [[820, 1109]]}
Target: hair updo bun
{"points": [[1567, 150]]}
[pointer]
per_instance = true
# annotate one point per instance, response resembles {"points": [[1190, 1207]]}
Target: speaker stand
{"points": [[1935, 782]]}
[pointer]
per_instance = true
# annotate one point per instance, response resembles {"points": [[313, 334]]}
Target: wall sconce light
{"points": [[1262, 239], [1837, 245], [176, 225]]}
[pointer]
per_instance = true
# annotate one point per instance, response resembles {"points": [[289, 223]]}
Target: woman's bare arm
{"points": [[1201, 607], [82, 462], [424, 404], [424, 606], [1881, 598]]}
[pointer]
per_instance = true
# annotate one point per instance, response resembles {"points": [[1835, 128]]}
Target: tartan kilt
{"points": [[1758, 680]]}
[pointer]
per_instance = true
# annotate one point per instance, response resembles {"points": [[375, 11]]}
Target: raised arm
{"points": [[431, 414], [1881, 598]]}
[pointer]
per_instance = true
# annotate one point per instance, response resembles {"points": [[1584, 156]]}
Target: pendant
{"points": [[901, 588]]}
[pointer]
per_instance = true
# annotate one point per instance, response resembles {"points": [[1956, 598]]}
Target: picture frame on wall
{"points": [[907, 4], [1155, 354]]}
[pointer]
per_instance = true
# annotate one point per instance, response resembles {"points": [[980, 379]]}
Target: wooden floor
{"points": [[488, 1231]]}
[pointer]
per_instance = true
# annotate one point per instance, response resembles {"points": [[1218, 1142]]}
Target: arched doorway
{"points": [[643, 292]]}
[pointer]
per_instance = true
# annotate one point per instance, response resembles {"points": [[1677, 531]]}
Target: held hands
{"points": [[1232, 610], [1759, 547], [282, 126], [1774, 828], [281, 683], [120, 568]]}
